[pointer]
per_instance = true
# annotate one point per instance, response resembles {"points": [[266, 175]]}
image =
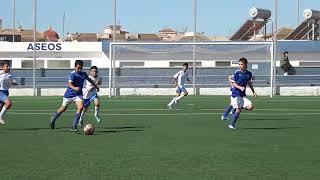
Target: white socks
{"points": [[82, 115], [180, 97], [3, 111], [96, 111], [172, 101], [176, 99]]}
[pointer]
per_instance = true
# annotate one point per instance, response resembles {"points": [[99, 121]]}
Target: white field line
{"points": [[145, 99], [170, 114], [142, 109]]}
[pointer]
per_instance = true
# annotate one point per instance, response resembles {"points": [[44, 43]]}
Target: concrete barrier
{"points": [[261, 91]]}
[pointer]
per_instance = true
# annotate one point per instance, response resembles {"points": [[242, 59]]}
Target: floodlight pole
{"points": [[274, 52], [298, 12], [34, 47], [14, 21], [113, 59], [194, 46]]}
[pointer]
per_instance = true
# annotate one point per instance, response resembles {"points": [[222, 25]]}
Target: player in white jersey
{"points": [[90, 94], [179, 79], [6, 81]]}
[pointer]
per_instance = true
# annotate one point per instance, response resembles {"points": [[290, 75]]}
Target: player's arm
{"points": [[99, 82], [250, 84], [232, 81], [175, 78], [237, 86], [70, 85], [13, 81], [93, 84]]}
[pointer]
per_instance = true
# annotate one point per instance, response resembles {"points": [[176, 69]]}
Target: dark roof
{"points": [[148, 37]]}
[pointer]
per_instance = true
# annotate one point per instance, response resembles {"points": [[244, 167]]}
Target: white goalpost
{"points": [[144, 67]]}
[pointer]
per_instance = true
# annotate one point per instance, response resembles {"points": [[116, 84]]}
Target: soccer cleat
{"points": [[285, 74], [224, 118], [74, 129], [97, 117], [232, 127], [52, 122], [2, 121]]}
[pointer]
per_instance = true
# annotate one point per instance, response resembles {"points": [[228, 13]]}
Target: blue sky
{"points": [[215, 17]]}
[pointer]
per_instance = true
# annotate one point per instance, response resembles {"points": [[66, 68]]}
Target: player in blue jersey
{"points": [[73, 94], [239, 81]]}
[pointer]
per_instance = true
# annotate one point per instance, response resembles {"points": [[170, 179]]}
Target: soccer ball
{"points": [[88, 129]]}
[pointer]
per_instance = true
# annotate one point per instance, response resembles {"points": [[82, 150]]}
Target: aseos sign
{"points": [[45, 47]]}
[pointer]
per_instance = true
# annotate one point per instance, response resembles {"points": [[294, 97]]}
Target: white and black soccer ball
{"points": [[88, 129]]}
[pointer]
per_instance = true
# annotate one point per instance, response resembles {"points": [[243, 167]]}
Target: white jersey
{"points": [[6, 80], [89, 89], [182, 77]]}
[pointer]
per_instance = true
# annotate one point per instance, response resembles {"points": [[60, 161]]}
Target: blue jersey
{"points": [[242, 79], [77, 79]]}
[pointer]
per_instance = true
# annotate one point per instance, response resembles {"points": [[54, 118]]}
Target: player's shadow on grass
{"points": [[34, 128], [127, 127], [121, 129], [267, 119], [270, 128]]}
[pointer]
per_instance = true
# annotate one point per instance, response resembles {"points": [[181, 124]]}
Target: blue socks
{"points": [[227, 111], [234, 118], [76, 118], [55, 116]]}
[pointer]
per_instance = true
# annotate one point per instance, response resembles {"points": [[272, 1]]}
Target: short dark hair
{"points": [[2, 63], [286, 52], [78, 62], [243, 60], [185, 64], [93, 67]]}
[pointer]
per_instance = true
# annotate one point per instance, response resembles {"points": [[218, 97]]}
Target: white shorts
{"points": [[181, 89], [240, 102], [3, 96], [67, 101]]}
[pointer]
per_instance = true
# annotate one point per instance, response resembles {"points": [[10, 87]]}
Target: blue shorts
{"points": [[4, 95], [86, 102], [181, 89]]}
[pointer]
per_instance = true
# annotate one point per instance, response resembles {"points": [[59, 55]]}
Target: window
{"points": [[58, 64], [131, 64], [29, 64], [179, 64], [223, 63]]}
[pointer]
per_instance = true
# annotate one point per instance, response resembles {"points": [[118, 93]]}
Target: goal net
{"points": [[148, 68]]}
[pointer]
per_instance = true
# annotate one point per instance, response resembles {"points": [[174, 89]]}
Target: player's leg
{"points": [[76, 116], [237, 103], [96, 109], [86, 104], [7, 104], [247, 104], [172, 102], [226, 112], [1, 105], [62, 108], [184, 93]]}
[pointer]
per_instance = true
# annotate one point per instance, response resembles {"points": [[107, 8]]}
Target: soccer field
{"points": [[140, 139]]}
